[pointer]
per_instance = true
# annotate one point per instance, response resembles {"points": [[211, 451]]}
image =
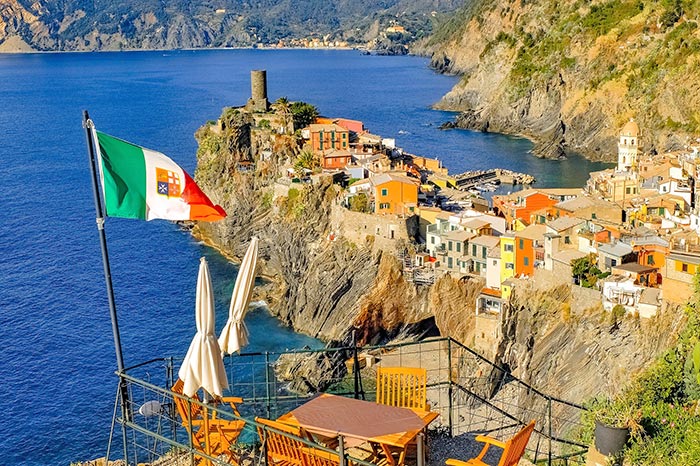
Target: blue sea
{"points": [[57, 360]]}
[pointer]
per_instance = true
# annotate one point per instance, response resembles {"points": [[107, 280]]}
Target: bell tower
{"points": [[628, 147]]}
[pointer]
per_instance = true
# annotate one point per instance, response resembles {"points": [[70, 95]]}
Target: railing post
{"points": [[189, 429], [449, 386], [549, 415], [268, 406], [356, 367], [420, 454], [341, 450]]}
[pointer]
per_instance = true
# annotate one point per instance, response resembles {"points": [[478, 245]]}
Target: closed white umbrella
{"points": [[234, 336], [203, 366]]}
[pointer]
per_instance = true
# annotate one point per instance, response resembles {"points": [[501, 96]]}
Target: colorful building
{"points": [[529, 249], [335, 159], [507, 256], [395, 194], [327, 137]]}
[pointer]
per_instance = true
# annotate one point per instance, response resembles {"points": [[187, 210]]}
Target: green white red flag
{"points": [[145, 184]]}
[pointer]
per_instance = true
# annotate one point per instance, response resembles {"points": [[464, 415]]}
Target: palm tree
{"points": [[282, 106]]}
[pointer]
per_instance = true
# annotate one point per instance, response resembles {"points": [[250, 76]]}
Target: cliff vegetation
{"points": [[570, 73], [103, 25]]}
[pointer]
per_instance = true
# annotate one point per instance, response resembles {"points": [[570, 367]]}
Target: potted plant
{"points": [[616, 420]]}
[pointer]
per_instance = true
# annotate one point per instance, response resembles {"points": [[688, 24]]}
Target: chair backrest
{"points": [[281, 447], [402, 386], [515, 447], [316, 457], [187, 411]]}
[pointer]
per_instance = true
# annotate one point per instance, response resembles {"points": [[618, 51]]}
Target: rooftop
{"points": [[617, 249], [564, 223], [635, 268], [486, 240]]}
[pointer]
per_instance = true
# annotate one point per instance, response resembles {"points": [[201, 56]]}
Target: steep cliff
{"points": [[554, 335], [321, 284], [568, 73]]}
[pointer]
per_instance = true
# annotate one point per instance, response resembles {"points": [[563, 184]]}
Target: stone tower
{"points": [[258, 90], [628, 147]]}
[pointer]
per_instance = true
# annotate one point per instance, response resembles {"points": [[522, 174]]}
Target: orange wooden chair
{"points": [[214, 436], [403, 387], [282, 450], [513, 449], [315, 457]]}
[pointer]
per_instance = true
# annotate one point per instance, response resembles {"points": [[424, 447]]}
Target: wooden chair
{"points": [[315, 457], [282, 450], [513, 449], [403, 387], [213, 435]]}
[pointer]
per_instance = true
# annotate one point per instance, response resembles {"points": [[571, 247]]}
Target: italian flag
{"points": [[145, 184]]}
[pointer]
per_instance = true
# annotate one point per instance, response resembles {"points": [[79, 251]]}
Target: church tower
{"points": [[628, 147]]}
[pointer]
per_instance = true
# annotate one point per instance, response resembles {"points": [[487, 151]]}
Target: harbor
{"points": [[488, 180]]}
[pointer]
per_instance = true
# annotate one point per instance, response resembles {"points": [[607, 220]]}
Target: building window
{"points": [[684, 267], [449, 262], [474, 250], [526, 261], [567, 240], [345, 144], [628, 191], [508, 247], [385, 192], [483, 252], [459, 247], [449, 245], [593, 215], [344, 135], [521, 244], [650, 260], [432, 240], [662, 210], [509, 265], [495, 262]]}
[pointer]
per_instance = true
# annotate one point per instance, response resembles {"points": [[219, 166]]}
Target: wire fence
{"points": [[471, 394]]}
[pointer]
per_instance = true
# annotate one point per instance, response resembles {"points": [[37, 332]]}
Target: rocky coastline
{"points": [[568, 80], [327, 281]]}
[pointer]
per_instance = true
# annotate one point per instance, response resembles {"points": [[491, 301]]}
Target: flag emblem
{"points": [[168, 182]]}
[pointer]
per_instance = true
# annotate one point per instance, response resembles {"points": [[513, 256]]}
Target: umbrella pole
{"points": [[99, 217]]}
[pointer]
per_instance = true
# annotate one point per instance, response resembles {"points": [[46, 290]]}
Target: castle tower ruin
{"points": [[258, 89]]}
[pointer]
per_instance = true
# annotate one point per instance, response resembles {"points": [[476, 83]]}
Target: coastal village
{"points": [[631, 233]]}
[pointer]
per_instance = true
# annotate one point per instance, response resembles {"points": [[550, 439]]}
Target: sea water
{"points": [[57, 357]]}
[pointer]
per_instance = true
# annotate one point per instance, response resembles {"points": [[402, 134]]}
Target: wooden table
{"points": [[388, 426]]}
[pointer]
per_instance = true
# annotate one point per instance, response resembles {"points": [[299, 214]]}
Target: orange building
{"points": [[521, 205], [394, 194], [651, 251], [335, 159], [529, 249], [326, 137]]}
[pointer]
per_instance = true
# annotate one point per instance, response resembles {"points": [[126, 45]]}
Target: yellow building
{"points": [[507, 256], [395, 194]]}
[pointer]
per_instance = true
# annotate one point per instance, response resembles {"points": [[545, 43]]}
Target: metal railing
{"points": [[471, 394]]}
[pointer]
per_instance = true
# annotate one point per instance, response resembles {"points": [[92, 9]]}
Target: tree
{"points": [[306, 160], [282, 106], [586, 271], [359, 203], [304, 114]]}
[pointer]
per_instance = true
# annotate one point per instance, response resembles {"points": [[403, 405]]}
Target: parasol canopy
{"points": [[234, 335]]}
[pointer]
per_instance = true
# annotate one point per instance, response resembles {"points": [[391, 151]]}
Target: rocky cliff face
{"points": [[569, 74], [321, 286], [557, 337]]}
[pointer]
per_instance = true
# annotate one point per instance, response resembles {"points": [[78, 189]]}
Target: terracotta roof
{"points": [[314, 128]]}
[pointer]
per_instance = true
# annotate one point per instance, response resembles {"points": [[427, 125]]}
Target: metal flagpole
{"points": [[124, 395]]}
